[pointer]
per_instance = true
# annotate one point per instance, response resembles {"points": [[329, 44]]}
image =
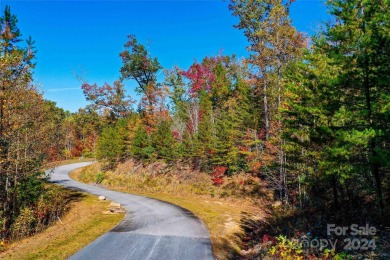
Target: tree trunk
{"points": [[266, 113]]}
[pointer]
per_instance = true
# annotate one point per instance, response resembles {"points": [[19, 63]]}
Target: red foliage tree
{"points": [[202, 75], [218, 174], [113, 98]]}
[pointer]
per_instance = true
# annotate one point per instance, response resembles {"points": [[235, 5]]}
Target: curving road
{"points": [[151, 229]]}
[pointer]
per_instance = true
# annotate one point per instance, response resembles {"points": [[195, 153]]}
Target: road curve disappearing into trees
{"points": [[151, 229]]}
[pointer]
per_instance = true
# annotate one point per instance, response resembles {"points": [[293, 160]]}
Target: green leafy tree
{"points": [[24, 125], [10, 33], [113, 141], [141, 146], [274, 43], [138, 65], [109, 146], [110, 101], [337, 116], [164, 142]]}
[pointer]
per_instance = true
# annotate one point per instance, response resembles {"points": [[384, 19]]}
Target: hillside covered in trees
{"points": [[308, 117]]}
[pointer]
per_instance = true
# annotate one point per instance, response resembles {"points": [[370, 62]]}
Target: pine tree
{"points": [[362, 51], [336, 117], [204, 140], [10, 33], [164, 142], [312, 101], [138, 65], [109, 146], [141, 146]]}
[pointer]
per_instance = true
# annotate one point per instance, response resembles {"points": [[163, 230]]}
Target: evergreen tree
{"points": [[204, 140], [362, 52], [10, 33], [109, 146], [113, 142], [139, 66], [336, 117], [164, 142], [141, 146]]}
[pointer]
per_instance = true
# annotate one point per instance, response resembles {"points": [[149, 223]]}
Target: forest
{"points": [[309, 117]]}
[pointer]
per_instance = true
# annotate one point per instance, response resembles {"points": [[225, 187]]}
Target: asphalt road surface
{"points": [[151, 229]]}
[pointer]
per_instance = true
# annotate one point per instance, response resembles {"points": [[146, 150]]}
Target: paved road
{"points": [[151, 229]]}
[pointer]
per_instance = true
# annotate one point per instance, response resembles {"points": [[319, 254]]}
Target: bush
{"points": [[218, 174], [99, 177], [24, 224], [287, 249], [52, 204]]}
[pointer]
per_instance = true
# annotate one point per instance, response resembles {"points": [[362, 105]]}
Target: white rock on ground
{"points": [[114, 204]]}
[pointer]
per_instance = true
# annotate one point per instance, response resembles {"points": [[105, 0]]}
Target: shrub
{"points": [[99, 177], [52, 204], [24, 224], [287, 249], [218, 174]]}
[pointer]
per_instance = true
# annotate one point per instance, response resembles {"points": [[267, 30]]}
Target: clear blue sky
{"points": [[86, 37]]}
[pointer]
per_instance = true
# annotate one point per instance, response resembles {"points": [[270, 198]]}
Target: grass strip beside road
{"points": [[80, 226]]}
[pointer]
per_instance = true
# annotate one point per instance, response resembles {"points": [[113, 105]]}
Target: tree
{"points": [[204, 139], [138, 65], [109, 146], [337, 111], [361, 49], [88, 126], [141, 146], [274, 43], [164, 142], [10, 33], [312, 101], [113, 142], [111, 101], [24, 125], [55, 125], [179, 100]]}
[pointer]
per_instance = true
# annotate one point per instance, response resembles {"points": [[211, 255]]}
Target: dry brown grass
{"points": [[220, 208], [177, 180], [82, 224]]}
